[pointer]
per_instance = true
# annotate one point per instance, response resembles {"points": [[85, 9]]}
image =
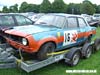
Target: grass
{"points": [[59, 68]]}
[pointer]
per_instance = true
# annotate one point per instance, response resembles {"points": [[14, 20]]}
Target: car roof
{"points": [[57, 14], [64, 14], [10, 14]]}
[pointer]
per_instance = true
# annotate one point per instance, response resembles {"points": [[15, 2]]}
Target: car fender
{"points": [[47, 39], [92, 32]]}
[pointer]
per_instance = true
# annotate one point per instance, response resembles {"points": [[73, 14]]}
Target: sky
{"points": [[12, 2]]}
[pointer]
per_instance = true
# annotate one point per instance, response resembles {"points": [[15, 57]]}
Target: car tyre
{"points": [[44, 50], [88, 52]]}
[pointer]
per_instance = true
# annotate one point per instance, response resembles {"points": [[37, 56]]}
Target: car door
{"points": [[71, 32], [83, 28]]}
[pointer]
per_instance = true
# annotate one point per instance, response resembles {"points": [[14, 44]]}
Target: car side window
{"points": [[21, 20], [82, 22], [28, 21], [72, 22], [59, 21], [66, 24], [6, 20]]}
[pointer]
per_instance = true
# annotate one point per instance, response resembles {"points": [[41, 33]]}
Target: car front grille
{"points": [[14, 38]]}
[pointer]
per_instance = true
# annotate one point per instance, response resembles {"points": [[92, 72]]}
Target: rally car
{"points": [[52, 32]]}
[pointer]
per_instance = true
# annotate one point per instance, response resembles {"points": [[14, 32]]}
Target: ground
{"points": [[59, 68]]}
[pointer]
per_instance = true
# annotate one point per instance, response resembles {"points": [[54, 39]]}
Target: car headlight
{"points": [[24, 41]]}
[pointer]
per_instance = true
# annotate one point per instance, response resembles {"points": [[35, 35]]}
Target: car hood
{"points": [[30, 29]]}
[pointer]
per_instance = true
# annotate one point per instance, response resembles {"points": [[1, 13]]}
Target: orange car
{"points": [[52, 32]]}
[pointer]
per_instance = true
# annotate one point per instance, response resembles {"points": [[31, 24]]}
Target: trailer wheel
{"points": [[97, 44], [74, 57], [87, 50], [44, 50]]}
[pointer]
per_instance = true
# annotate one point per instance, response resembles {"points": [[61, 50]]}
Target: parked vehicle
{"points": [[96, 17], [52, 32], [94, 23], [92, 20], [95, 20], [88, 18], [10, 20]]}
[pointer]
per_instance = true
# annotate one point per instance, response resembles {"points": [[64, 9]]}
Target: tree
{"points": [[36, 8], [97, 8], [45, 7], [5, 9], [73, 8], [32, 8], [23, 7], [58, 6], [14, 8], [87, 7]]}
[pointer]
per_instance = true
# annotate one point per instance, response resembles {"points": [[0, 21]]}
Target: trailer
{"points": [[71, 56]]}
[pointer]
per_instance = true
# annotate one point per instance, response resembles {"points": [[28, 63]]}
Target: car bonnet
{"points": [[30, 29]]}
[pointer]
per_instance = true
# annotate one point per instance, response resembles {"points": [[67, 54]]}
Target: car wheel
{"points": [[45, 50]]}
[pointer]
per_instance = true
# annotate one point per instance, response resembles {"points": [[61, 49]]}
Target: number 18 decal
{"points": [[70, 37]]}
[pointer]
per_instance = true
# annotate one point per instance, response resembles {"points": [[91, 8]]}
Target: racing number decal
{"points": [[70, 37], [67, 37]]}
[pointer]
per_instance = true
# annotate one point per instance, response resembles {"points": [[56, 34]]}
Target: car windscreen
{"points": [[51, 20], [6, 20]]}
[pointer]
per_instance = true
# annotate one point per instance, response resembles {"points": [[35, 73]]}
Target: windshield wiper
{"points": [[42, 23], [54, 26]]}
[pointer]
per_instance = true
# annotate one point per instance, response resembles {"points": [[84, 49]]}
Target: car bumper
{"points": [[21, 46]]}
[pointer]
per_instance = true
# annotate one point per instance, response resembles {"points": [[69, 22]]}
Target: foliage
{"points": [[73, 8], [5, 9], [23, 7], [14, 8], [87, 8], [98, 9], [58, 6], [45, 7]]}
